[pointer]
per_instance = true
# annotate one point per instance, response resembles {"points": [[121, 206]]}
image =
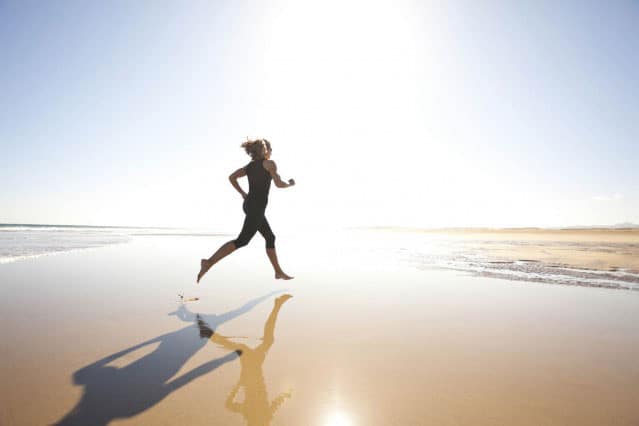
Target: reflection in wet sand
{"points": [[255, 408], [111, 393]]}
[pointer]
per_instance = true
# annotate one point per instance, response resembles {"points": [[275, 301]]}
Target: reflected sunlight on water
{"points": [[338, 418]]}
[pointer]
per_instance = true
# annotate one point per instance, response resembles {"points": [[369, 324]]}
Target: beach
{"points": [[368, 333], [452, 185]]}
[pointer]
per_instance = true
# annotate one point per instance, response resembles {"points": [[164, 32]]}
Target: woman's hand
{"points": [[291, 182], [244, 195]]}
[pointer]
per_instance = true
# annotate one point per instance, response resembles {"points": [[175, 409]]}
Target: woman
{"points": [[260, 171]]}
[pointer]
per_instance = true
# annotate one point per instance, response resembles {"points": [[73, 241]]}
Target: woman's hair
{"points": [[256, 148]]}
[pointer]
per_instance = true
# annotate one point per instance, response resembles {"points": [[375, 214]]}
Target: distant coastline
{"points": [[44, 225], [618, 227]]}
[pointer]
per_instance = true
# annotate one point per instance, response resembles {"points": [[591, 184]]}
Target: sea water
{"points": [[412, 249]]}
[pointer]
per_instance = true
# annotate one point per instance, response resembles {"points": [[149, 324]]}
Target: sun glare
{"points": [[338, 419]]}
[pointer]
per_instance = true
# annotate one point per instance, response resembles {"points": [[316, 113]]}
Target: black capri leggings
{"points": [[254, 221]]}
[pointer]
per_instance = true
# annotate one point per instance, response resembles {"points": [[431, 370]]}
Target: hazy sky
{"points": [[386, 113]]}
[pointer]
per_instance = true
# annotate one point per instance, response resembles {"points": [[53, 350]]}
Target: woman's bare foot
{"points": [[282, 276], [204, 267]]}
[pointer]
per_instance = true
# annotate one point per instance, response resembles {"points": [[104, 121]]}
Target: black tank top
{"points": [[259, 180]]}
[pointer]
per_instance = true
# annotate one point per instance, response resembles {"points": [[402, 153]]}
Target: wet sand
{"points": [[99, 337], [598, 249]]}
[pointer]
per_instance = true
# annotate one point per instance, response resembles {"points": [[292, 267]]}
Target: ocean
{"points": [[607, 259], [24, 241]]}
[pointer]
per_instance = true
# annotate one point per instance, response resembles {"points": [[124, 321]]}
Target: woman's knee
{"points": [[240, 242], [270, 241]]}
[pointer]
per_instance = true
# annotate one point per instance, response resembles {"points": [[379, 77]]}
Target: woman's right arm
{"points": [[271, 167], [234, 177]]}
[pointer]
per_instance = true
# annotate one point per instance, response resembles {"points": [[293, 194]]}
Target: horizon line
{"points": [[618, 226]]}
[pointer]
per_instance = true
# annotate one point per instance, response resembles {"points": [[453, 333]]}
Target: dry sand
{"points": [[99, 337]]}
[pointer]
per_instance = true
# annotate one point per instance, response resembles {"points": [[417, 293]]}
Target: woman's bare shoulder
{"points": [[269, 165]]}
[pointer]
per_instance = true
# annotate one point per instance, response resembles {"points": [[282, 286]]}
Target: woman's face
{"points": [[267, 152]]}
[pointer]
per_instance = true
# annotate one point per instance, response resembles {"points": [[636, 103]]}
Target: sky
{"points": [[386, 113]]}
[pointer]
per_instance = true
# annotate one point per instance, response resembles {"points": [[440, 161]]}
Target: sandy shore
{"points": [[98, 337], [599, 249]]}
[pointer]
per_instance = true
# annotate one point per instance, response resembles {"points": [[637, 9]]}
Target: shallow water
{"points": [[101, 335], [20, 242], [552, 257]]}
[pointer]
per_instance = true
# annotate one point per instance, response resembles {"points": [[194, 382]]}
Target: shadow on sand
{"points": [[255, 407], [114, 393]]}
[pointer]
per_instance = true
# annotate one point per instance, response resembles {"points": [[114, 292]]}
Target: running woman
{"points": [[260, 171]]}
